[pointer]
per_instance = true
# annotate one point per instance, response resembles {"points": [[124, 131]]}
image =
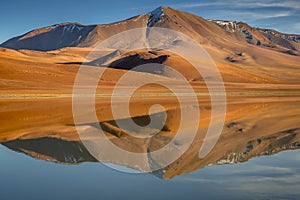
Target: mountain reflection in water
{"points": [[252, 129]]}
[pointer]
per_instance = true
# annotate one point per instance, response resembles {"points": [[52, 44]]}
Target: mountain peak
{"points": [[155, 16]]}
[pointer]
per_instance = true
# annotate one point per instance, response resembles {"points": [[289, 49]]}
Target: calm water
{"points": [[256, 156]]}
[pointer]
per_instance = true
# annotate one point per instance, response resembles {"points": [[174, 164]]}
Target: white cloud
{"points": [[255, 15], [292, 4], [276, 176]]}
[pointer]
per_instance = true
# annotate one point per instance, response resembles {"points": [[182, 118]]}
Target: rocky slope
{"points": [[261, 37]]}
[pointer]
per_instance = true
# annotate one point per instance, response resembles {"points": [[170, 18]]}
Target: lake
{"points": [[45, 154]]}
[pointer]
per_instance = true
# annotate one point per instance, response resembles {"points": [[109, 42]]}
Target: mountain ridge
{"points": [[74, 34]]}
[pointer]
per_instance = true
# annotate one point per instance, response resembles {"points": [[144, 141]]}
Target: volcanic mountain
{"points": [[205, 31], [243, 54]]}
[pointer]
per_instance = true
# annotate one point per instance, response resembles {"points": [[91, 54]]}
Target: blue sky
{"points": [[18, 17]]}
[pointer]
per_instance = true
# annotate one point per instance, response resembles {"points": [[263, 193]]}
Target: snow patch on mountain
{"points": [[155, 16], [233, 26], [230, 26], [67, 27], [72, 27], [291, 37]]}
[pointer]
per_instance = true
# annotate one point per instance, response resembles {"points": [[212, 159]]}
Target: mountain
{"points": [[215, 32], [259, 36], [51, 37], [243, 54]]}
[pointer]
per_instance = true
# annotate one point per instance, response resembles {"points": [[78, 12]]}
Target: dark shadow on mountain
{"points": [[52, 149], [132, 61], [129, 63]]}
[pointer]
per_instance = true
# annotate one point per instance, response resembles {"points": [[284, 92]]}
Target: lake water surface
{"points": [[43, 157]]}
